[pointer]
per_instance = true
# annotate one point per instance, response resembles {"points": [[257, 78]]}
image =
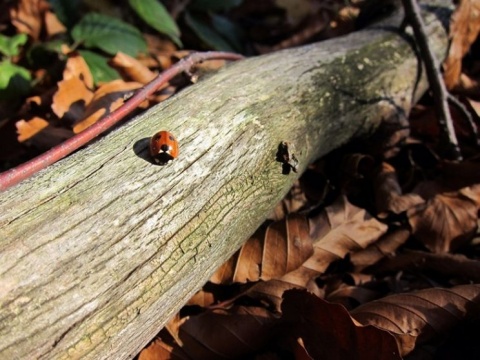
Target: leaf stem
{"points": [[15, 175], [432, 68]]}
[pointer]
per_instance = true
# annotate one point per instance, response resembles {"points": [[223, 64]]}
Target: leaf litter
{"points": [[375, 258]]}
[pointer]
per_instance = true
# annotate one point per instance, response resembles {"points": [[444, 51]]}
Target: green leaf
{"points": [[98, 65], [156, 15], [214, 5], [230, 31], [66, 10], [14, 81], [108, 34], [207, 34], [10, 46]]}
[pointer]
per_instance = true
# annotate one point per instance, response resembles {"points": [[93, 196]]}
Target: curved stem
{"points": [[15, 175]]}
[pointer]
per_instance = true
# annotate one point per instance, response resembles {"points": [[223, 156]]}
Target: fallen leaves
{"points": [[339, 282], [444, 222], [387, 240], [422, 315], [464, 30]]}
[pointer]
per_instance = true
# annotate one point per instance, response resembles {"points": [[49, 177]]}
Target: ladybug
{"points": [[163, 147]]}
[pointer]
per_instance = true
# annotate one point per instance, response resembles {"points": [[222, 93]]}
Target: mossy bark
{"points": [[101, 249]]}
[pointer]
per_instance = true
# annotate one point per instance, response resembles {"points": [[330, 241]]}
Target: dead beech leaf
{"points": [[106, 99], [461, 174], [291, 203], [299, 351], [227, 334], [164, 94], [329, 332], [444, 222], [76, 67], [74, 91], [384, 247], [53, 26], [270, 253], [351, 296], [132, 69], [160, 350], [202, 298], [28, 129], [338, 230], [27, 16], [421, 316], [71, 99], [449, 265], [156, 44], [388, 193], [464, 29]]}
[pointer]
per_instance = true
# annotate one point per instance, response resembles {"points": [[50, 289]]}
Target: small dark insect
{"points": [[163, 147], [286, 156]]}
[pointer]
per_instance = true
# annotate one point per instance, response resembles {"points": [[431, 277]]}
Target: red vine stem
{"points": [[15, 175]]}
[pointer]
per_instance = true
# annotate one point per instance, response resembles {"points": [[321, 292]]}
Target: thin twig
{"points": [[467, 116], [15, 175], [432, 67]]}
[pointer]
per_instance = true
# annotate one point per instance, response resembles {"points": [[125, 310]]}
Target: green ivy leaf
{"points": [[207, 34], [156, 15], [108, 34], [10, 46], [66, 10], [14, 80], [214, 5], [98, 65]]}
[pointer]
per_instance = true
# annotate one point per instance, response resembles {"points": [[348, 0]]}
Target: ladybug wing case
{"points": [[163, 147]]}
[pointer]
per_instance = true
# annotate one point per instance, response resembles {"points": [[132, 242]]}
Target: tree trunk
{"points": [[99, 250]]}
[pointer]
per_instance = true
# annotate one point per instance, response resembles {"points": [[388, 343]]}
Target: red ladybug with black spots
{"points": [[163, 147]]}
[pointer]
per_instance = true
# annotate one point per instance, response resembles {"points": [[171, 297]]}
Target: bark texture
{"points": [[100, 250]]}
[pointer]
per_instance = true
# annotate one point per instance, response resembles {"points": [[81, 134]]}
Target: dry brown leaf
{"points": [[71, 99], [299, 351], [343, 228], [388, 193], [352, 296], [468, 86], [338, 230], [74, 91], [421, 316], [445, 221], [227, 334], [457, 175], [164, 94], [270, 253], [76, 67], [449, 265], [28, 129], [202, 298], [27, 17], [106, 99], [329, 332], [53, 26], [464, 29], [385, 247], [291, 203], [156, 44], [132, 69], [160, 350]]}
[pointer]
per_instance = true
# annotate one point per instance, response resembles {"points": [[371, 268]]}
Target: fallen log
{"points": [[99, 250]]}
